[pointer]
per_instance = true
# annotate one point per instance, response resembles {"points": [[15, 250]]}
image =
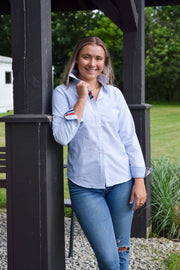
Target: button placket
{"points": [[100, 140]]}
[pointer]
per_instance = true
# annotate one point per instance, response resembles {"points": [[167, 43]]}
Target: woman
{"points": [[106, 168]]}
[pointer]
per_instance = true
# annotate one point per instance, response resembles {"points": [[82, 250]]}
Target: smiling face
{"points": [[90, 62]]}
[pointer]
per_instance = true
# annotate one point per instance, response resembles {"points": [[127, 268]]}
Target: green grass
{"points": [[66, 191], [2, 129], [173, 263], [165, 131], [2, 198]]}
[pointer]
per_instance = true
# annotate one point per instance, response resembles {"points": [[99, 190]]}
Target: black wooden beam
{"points": [[88, 5], [122, 13], [151, 3], [5, 7], [70, 5], [134, 92], [133, 62], [32, 56], [35, 205]]}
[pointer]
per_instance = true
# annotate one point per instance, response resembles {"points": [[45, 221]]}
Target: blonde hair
{"points": [[107, 70]]}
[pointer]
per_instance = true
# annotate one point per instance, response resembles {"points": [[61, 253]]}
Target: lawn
{"points": [[165, 131], [2, 129]]}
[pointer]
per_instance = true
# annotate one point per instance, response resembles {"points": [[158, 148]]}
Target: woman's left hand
{"points": [[138, 193]]}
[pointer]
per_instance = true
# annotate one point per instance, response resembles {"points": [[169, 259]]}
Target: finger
{"points": [[132, 198], [136, 207], [139, 204], [83, 83]]}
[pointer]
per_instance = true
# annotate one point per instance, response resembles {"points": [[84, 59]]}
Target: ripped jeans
{"points": [[105, 216]]}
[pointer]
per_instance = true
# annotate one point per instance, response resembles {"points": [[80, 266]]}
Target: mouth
{"points": [[91, 69]]}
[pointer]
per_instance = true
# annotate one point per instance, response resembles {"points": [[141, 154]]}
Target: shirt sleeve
{"points": [[130, 141], [65, 122]]}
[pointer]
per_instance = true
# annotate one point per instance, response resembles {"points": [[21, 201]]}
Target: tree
{"points": [[163, 54], [5, 35]]}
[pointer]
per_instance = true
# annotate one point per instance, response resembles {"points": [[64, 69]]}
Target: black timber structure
{"points": [[35, 203]]}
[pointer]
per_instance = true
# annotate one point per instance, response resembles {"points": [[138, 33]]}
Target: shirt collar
{"points": [[103, 79]]}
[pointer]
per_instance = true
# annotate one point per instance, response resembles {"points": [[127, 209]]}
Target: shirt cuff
{"points": [[148, 171], [140, 172], [70, 115]]}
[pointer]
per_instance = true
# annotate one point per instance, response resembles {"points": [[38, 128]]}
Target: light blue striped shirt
{"points": [[103, 149]]}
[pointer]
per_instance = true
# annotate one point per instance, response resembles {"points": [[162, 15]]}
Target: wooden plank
{"points": [[150, 3], [4, 7], [122, 13], [2, 169], [34, 161], [32, 55], [70, 5], [133, 61], [2, 162], [3, 183], [134, 92]]}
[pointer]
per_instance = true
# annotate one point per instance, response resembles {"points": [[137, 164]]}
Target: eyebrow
{"points": [[87, 54]]}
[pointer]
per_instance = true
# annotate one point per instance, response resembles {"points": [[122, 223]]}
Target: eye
{"points": [[85, 57], [99, 58]]}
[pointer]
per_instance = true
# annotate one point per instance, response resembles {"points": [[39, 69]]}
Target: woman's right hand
{"points": [[82, 90]]}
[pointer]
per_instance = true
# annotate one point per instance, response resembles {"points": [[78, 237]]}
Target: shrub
{"points": [[165, 198]]}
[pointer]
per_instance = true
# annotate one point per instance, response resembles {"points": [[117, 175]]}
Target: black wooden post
{"points": [[35, 206], [134, 92]]}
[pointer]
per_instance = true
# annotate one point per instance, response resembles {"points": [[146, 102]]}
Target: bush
{"points": [[165, 198]]}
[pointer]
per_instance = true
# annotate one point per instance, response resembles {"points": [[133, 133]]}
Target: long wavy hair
{"points": [[72, 65]]}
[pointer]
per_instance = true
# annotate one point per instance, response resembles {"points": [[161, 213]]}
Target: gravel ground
{"points": [[145, 254]]}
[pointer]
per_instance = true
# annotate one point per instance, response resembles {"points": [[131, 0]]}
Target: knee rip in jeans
{"points": [[122, 248]]}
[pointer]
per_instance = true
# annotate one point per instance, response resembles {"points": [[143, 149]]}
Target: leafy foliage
{"points": [[163, 54], [5, 35]]}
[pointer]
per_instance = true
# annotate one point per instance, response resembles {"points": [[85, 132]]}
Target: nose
{"points": [[92, 62]]}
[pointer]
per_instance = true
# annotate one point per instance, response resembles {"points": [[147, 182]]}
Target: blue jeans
{"points": [[105, 216]]}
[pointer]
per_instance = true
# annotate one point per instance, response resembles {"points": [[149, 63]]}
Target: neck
{"points": [[94, 86]]}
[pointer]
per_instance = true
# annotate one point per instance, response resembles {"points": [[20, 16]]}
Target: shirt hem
{"points": [[99, 186]]}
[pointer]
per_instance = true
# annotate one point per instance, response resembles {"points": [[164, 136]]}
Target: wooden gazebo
{"points": [[35, 206]]}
